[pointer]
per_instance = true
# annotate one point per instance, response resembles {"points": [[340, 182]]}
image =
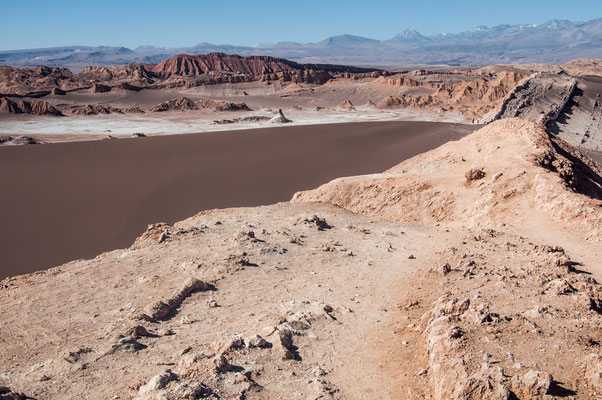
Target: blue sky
{"points": [[45, 23]]}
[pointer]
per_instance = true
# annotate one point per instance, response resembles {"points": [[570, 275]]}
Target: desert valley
{"points": [[252, 227]]}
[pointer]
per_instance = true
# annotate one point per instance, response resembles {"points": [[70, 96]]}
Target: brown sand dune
{"points": [[72, 200]]}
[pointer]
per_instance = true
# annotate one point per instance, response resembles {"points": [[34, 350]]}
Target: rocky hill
{"points": [[467, 272], [181, 70], [508, 172], [256, 67]]}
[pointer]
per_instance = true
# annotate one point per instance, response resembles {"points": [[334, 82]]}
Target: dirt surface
{"points": [[74, 200], [432, 289]]}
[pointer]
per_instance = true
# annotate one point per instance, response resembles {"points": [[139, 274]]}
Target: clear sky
{"points": [[179, 23]]}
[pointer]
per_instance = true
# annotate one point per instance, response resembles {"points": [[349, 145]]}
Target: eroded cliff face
{"points": [[474, 94]]}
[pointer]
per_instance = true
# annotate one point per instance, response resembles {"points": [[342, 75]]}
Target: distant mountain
{"points": [[556, 41], [410, 35], [347, 40]]}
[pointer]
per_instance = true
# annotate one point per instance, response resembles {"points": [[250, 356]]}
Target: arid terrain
{"points": [[446, 247], [200, 93], [477, 281]]}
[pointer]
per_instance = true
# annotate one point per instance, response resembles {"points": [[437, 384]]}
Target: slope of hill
{"points": [[306, 300], [510, 172]]}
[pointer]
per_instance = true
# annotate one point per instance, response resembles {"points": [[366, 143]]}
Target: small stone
{"points": [[137, 331], [187, 320], [221, 364], [163, 237], [474, 174], [257, 341], [532, 384], [166, 332], [445, 269]]}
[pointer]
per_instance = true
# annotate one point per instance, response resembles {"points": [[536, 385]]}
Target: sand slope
{"points": [[74, 200]]}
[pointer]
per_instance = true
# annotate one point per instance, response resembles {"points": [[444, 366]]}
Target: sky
{"points": [[179, 23]]}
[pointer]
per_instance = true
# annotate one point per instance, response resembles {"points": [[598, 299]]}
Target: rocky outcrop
{"points": [[527, 169], [100, 88], [128, 86], [279, 119], [194, 65], [539, 98], [93, 109], [346, 105], [181, 104], [185, 104], [222, 105], [472, 97], [583, 66], [27, 80], [132, 110], [400, 80], [9, 106], [34, 107], [234, 68], [130, 73], [8, 140], [390, 102]]}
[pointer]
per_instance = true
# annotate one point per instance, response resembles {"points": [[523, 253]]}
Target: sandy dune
{"points": [[72, 200]]}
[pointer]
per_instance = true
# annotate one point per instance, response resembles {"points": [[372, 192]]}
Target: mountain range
{"points": [[556, 41]]}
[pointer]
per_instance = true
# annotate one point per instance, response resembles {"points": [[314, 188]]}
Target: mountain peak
{"points": [[410, 35]]}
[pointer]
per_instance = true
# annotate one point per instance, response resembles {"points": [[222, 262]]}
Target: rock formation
{"points": [[255, 67], [35, 107], [184, 104], [346, 105], [279, 119], [181, 104], [93, 109], [100, 88]]}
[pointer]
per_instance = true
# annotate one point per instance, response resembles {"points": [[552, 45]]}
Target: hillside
{"points": [[422, 288], [509, 172]]}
